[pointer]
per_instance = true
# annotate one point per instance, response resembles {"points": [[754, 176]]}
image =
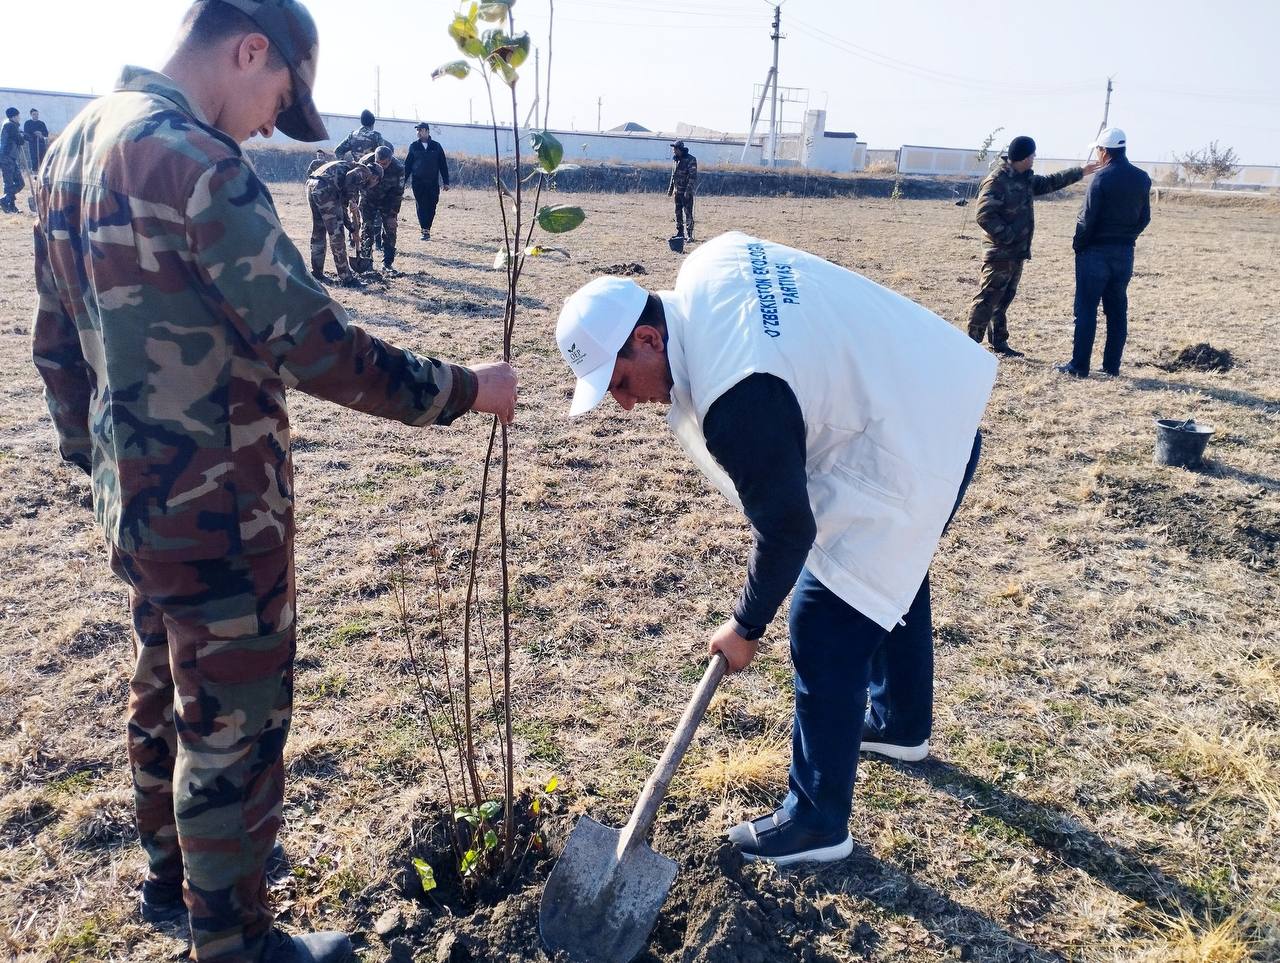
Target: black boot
{"points": [[307, 948]]}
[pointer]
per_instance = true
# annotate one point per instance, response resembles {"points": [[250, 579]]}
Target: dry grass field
{"points": [[1106, 777]]}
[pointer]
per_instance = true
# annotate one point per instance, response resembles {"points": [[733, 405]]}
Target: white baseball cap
{"points": [[1110, 138], [594, 324]]}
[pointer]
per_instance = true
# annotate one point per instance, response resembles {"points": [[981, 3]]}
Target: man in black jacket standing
{"points": [[426, 168], [36, 131], [1117, 208]]}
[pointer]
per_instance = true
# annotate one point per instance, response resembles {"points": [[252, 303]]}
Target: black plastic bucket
{"points": [[676, 243], [1180, 444]]}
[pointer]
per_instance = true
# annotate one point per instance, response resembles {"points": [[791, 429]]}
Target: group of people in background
{"points": [[31, 139], [360, 192], [1117, 208]]}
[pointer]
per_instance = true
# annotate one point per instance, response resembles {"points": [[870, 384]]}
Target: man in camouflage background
{"points": [[11, 141], [355, 145], [322, 157], [330, 192], [166, 365], [1006, 217], [683, 184], [380, 210]]}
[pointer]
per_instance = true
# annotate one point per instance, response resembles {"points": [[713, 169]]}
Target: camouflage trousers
{"points": [[11, 174], [209, 710], [327, 212], [684, 213], [353, 214], [379, 224], [988, 315]]}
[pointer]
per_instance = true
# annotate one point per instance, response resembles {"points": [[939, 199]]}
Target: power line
{"points": [[929, 73]]}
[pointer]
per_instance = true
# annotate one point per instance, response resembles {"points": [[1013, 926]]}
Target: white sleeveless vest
{"points": [[891, 396]]}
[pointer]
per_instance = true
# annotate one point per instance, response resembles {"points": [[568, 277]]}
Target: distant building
{"points": [[630, 127]]}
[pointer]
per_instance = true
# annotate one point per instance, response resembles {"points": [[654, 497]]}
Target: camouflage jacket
{"points": [[173, 313], [11, 140], [359, 142], [684, 176], [316, 164], [388, 193], [1004, 208], [339, 181]]}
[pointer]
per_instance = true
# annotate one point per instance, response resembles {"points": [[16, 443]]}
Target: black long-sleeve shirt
{"points": [[426, 162], [755, 430]]}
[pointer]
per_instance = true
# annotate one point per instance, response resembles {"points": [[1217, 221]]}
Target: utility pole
{"points": [[599, 108], [770, 84], [773, 107], [377, 91], [1106, 109]]}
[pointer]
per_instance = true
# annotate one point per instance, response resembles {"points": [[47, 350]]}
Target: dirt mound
{"points": [[720, 910], [624, 270], [1196, 357]]}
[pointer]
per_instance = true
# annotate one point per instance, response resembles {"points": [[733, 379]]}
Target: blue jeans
{"points": [[1102, 274], [838, 653]]}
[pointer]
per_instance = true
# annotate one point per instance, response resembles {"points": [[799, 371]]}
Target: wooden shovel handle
{"points": [[655, 790]]}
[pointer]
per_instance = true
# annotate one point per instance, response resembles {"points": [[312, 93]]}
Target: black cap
{"points": [[422, 126], [678, 143], [1020, 148], [11, 112]]}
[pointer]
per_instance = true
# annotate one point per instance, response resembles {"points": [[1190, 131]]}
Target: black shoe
{"points": [[426, 235], [351, 282], [1069, 369], [1007, 351], [328, 947], [320, 276], [776, 838], [1114, 372], [873, 741], [163, 908], [689, 237]]}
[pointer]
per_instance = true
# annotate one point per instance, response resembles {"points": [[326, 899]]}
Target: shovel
{"points": [[603, 897]]}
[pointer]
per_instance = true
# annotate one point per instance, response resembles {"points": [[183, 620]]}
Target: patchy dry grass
{"points": [[1107, 748]]}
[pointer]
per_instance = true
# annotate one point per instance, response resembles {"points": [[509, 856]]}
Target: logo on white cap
{"points": [[594, 324]]}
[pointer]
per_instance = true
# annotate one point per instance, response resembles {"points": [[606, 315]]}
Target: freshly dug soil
{"points": [[719, 910], [624, 270], [1196, 357], [1205, 525]]}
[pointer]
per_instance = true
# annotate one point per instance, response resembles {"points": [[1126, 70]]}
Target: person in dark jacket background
{"points": [[1117, 208], [36, 131], [426, 168], [1006, 217]]}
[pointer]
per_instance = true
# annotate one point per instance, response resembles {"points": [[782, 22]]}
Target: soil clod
{"points": [[1196, 357], [632, 269]]}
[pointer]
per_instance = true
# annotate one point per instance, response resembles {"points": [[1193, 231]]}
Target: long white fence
{"points": [[816, 149], [914, 159]]}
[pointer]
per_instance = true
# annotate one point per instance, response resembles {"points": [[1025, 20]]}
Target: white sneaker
{"points": [[895, 751]]}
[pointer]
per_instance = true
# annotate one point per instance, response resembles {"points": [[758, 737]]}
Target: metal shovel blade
{"points": [[597, 907]]}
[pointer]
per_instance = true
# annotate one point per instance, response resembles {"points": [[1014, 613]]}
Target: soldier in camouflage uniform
{"points": [[355, 145], [683, 184], [322, 157], [1006, 217], [380, 209], [330, 191], [11, 141], [172, 314]]}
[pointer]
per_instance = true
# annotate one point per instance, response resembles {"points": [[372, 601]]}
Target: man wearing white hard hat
{"points": [[1117, 208], [842, 419]]}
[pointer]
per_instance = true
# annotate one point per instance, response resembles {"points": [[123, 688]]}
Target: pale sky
{"points": [[916, 71]]}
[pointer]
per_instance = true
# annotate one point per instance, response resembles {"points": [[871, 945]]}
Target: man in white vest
{"points": [[842, 419]]}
